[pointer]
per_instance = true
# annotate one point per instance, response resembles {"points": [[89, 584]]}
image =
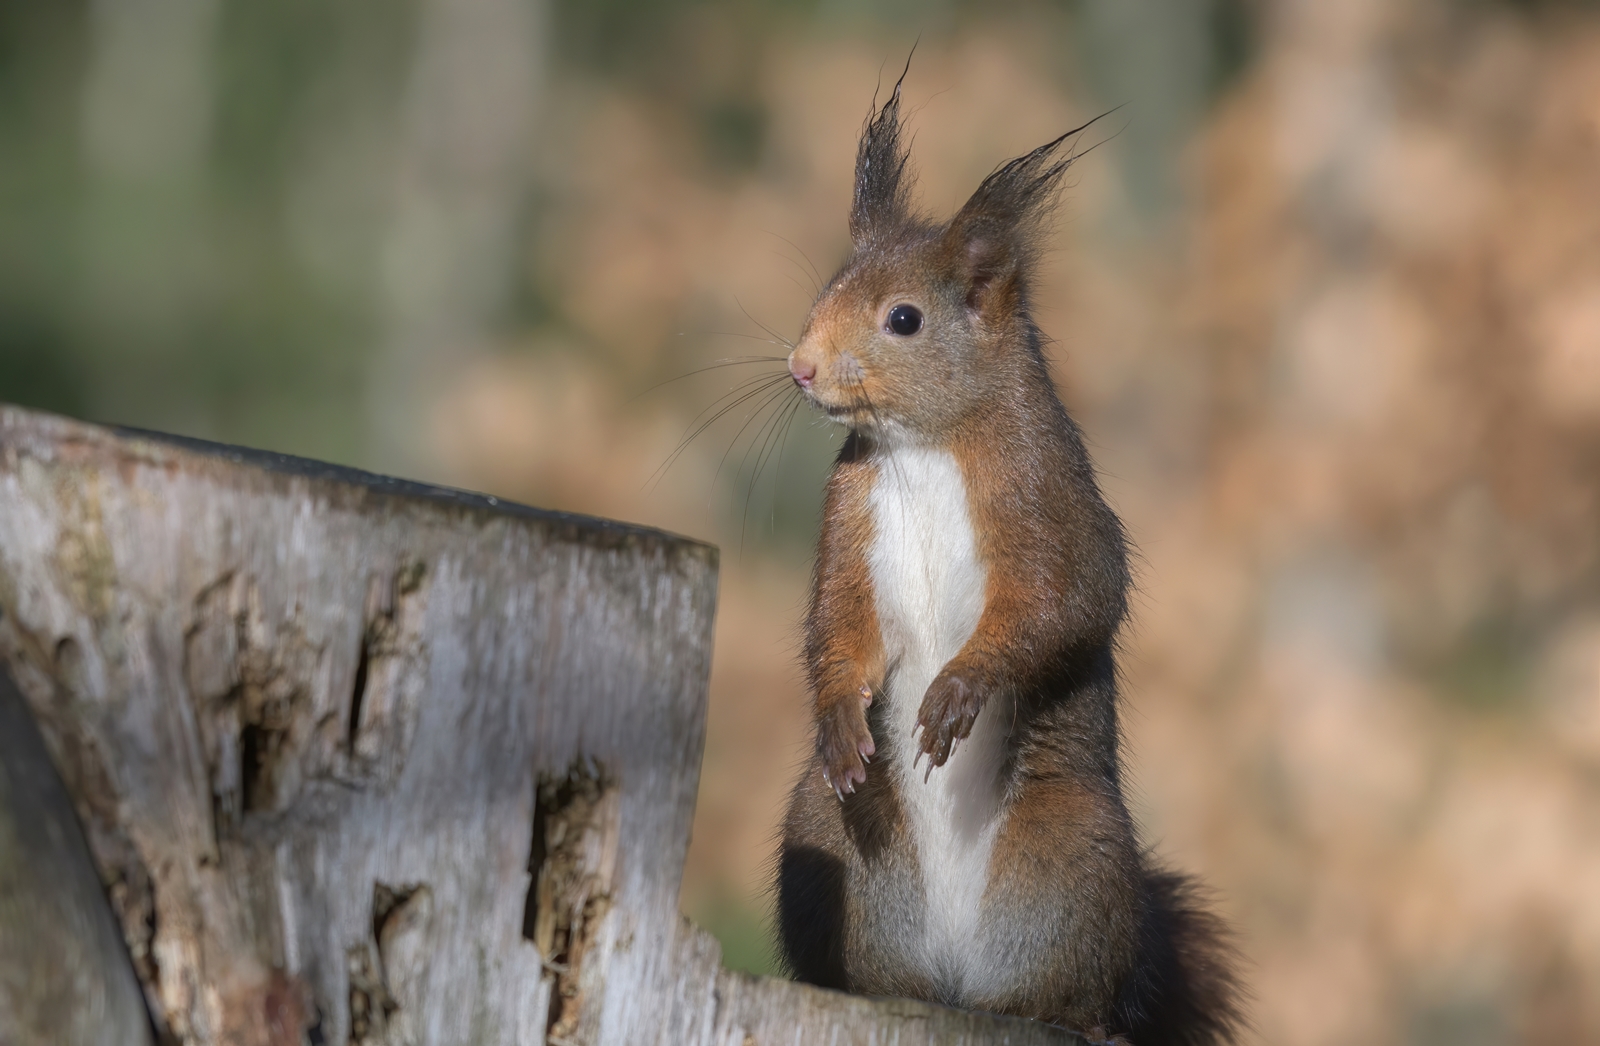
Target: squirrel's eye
{"points": [[905, 320]]}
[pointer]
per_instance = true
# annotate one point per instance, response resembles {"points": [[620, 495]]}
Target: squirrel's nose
{"points": [[802, 370]]}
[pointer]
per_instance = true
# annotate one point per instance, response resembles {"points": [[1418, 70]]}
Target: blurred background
{"points": [[1328, 309]]}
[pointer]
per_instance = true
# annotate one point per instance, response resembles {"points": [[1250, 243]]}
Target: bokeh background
{"points": [[1328, 308]]}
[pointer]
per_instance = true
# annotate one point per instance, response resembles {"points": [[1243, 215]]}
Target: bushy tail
{"points": [[1189, 992]]}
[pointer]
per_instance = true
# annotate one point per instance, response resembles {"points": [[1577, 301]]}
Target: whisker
{"points": [[766, 402], [745, 457], [758, 380], [736, 395], [815, 274], [739, 334], [762, 385], [815, 290], [770, 428], [798, 285], [772, 509], [866, 399], [732, 361], [763, 326]]}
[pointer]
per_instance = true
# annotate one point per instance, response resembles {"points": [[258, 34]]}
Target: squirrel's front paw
{"points": [[845, 745], [948, 711]]}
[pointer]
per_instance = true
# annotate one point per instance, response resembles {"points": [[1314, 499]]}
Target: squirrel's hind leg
{"points": [[847, 890], [1061, 916]]}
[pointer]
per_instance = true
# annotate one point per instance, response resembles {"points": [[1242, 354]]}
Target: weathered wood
{"points": [[346, 749], [758, 1010], [65, 978]]}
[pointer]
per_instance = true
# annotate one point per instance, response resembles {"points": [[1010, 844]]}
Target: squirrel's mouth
{"points": [[856, 415], [848, 406], [839, 390]]}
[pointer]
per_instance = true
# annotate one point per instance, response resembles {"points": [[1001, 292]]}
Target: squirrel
{"points": [[969, 585]]}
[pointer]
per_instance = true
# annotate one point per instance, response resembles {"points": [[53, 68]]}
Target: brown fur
{"points": [[1094, 936], [845, 671]]}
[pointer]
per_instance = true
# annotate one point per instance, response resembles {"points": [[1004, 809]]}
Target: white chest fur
{"points": [[929, 585]]}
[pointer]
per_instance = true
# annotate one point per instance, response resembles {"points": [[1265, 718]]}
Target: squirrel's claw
{"points": [[949, 709], [844, 747]]}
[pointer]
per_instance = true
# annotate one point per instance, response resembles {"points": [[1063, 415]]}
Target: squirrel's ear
{"points": [[990, 258], [992, 237], [883, 185]]}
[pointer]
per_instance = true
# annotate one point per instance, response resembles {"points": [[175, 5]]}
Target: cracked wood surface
{"points": [[345, 747]]}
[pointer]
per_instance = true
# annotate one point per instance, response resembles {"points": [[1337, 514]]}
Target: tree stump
{"points": [[358, 761]]}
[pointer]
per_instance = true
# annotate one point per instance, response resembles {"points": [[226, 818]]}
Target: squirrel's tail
{"points": [[1189, 992]]}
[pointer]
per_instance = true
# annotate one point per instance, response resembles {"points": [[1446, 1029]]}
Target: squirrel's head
{"points": [[926, 323]]}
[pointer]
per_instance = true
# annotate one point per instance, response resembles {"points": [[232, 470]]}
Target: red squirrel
{"points": [[959, 834]]}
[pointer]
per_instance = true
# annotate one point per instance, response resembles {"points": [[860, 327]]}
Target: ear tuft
{"points": [[994, 232], [883, 185]]}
